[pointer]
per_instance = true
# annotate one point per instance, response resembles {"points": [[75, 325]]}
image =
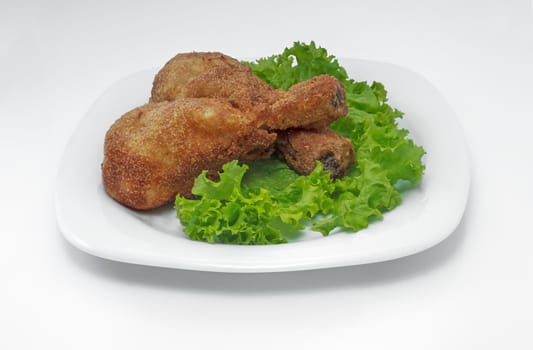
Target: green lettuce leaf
{"points": [[230, 211], [224, 213], [297, 63], [306, 197]]}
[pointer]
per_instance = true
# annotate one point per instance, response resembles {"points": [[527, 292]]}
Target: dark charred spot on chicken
{"points": [[338, 99], [330, 163]]}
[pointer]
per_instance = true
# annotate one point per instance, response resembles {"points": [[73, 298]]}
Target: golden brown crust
{"points": [[312, 104], [182, 68], [157, 150], [301, 149], [238, 84]]}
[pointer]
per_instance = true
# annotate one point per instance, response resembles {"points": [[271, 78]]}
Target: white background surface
{"points": [[474, 290]]}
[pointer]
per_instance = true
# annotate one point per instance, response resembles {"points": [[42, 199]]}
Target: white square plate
{"points": [[96, 224]]}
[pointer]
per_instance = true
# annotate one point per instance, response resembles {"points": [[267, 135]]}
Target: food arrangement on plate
{"points": [[251, 152]]}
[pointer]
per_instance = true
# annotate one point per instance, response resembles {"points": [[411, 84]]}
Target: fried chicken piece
{"points": [[236, 83], [155, 151], [312, 104], [302, 148], [182, 68]]}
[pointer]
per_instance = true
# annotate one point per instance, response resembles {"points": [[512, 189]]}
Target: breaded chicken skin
{"points": [[182, 68], [157, 150], [301, 149], [311, 104]]}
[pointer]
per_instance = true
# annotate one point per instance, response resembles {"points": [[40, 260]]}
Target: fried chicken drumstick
{"points": [[302, 148], [157, 150], [312, 104]]}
